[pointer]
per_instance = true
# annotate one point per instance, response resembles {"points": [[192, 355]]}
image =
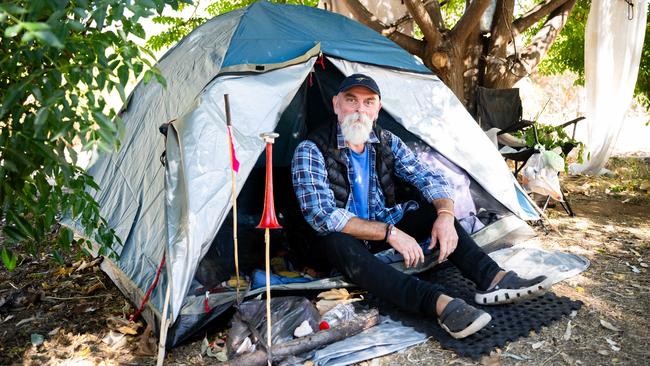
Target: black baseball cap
{"points": [[359, 80]]}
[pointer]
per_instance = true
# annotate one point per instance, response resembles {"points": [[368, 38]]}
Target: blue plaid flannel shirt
{"points": [[316, 199]]}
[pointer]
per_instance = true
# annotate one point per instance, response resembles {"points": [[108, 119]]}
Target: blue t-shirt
{"points": [[360, 185]]}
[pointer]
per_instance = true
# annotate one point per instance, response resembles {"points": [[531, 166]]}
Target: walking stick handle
{"points": [[269, 137], [226, 101]]}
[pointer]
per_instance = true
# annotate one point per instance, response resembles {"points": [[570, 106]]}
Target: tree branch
{"points": [[410, 44], [536, 14], [431, 33], [501, 32], [405, 18], [433, 9], [539, 45], [468, 22]]}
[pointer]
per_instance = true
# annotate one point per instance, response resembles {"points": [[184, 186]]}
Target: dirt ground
{"points": [[73, 314]]}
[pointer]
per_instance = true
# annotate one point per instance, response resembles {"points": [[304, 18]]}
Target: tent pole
{"points": [[164, 325]]}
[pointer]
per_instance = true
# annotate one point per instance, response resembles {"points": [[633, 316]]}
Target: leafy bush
{"points": [[59, 59]]}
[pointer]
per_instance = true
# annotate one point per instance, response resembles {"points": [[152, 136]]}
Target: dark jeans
{"points": [[355, 261]]}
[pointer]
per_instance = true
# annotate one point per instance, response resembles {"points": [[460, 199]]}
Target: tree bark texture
{"points": [[463, 56]]}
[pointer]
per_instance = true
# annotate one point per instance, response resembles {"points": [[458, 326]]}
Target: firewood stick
{"points": [[297, 346], [233, 195]]}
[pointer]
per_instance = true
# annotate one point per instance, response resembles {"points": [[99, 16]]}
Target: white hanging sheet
{"points": [[613, 43]]}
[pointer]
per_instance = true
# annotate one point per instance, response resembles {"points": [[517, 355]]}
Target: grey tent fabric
{"points": [[198, 188]]}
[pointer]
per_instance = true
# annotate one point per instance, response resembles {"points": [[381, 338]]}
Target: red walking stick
{"points": [[268, 221]]}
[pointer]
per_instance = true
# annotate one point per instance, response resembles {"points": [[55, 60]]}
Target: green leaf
{"points": [[14, 234], [161, 80], [13, 31], [120, 90], [27, 37], [104, 122], [118, 11], [113, 65], [99, 15], [8, 259], [48, 38], [75, 25], [9, 165], [137, 69], [91, 183], [147, 76], [41, 117], [17, 157], [80, 12], [56, 16], [105, 146], [74, 75], [123, 74], [63, 130], [121, 128], [23, 226], [77, 207], [11, 97], [106, 137], [13, 8], [101, 80], [65, 238], [35, 27], [139, 31], [58, 257]]}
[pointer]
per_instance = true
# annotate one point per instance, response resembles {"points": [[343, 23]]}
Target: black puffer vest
{"points": [[337, 171]]}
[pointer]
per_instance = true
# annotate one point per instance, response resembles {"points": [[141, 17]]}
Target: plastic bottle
{"points": [[340, 312]]}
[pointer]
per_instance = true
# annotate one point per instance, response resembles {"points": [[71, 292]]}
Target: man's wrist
{"points": [[445, 212], [387, 233], [390, 231]]}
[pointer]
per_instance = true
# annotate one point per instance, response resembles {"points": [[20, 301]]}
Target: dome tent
{"points": [[280, 64]]}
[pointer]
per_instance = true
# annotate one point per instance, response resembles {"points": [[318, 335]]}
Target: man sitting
{"points": [[343, 179]]}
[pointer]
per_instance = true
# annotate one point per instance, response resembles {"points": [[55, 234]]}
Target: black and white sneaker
{"points": [[511, 288], [460, 319]]}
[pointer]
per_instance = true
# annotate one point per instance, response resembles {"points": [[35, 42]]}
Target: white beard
{"points": [[356, 128]]}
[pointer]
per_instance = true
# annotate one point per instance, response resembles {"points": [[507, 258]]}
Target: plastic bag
{"points": [[540, 174], [287, 313]]}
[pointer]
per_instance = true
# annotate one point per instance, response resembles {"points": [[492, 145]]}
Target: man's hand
{"points": [[407, 247], [444, 232]]}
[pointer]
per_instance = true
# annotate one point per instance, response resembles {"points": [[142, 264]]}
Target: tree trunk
{"points": [[465, 58], [446, 62]]}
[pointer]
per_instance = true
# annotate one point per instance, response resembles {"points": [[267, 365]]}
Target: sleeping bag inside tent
{"points": [[280, 66]]}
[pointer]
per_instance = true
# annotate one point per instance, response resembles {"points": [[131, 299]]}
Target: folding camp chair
{"points": [[502, 109], [566, 149]]}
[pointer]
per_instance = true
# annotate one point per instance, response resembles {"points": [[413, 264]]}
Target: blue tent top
{"points": [[270, 33]]}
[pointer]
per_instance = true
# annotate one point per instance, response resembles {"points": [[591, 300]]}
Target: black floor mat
{"points": [[509, 322]]}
